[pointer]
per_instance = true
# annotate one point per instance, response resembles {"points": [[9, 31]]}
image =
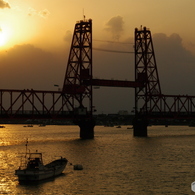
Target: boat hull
{"points": [[38, 175]]}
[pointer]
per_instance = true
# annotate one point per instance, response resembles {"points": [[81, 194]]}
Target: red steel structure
{"points": [[24, 104], [145, 69], [79, 68], [75, 100], [149, 100]]}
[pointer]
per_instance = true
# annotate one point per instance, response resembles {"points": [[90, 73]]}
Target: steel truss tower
{"points": [[78, 72], [145, 70], [79, 68]]}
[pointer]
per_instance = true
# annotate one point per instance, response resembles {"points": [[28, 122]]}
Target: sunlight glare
{"points": [[4, 35]]}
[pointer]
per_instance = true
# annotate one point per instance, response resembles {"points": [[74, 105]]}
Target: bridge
{"points": [[75, 99]]}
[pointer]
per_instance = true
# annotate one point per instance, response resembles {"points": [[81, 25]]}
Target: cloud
{"points": [[115, 27], [26, 66], [32, 11], [68, 36], [4, 4], [176, 65], [43, 13]]}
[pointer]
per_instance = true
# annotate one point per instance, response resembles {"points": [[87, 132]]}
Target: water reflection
{"points": [[114, 162]]}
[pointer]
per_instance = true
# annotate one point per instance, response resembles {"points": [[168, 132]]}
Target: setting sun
{"points": [[4, 36]]}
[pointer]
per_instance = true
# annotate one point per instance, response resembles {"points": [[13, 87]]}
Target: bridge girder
{"points": [[77, 88]]}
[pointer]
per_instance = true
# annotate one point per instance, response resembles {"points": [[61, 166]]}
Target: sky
{"points": [[35, 39]]}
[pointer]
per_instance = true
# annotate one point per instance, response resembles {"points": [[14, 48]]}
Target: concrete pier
{"points": [[140, 126], [86, 128]]}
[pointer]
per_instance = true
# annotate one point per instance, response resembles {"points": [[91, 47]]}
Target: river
{"points": [[114, 162]]}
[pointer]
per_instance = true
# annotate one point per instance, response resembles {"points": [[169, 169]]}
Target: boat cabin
{"points": [[34, 160]]}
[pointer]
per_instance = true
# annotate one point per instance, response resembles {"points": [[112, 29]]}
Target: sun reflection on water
{"points": [[7, 166]]}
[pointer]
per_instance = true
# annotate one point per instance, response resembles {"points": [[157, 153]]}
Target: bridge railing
{"points": [[170, 106], [15, 103]]}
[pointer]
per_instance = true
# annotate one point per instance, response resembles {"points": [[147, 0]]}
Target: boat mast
{"points": [[26, 147]]}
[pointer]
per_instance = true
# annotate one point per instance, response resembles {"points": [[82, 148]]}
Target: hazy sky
{"points": [[35, 38]]}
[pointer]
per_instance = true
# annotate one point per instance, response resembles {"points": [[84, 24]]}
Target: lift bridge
{"points": [[75, 99]]}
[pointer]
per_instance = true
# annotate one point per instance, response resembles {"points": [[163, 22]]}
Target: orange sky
{"points": [[45, 23], [35, 39]]}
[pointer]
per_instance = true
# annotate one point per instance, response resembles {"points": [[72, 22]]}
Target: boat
{"points": [[42, 125], [32, 169], [118, 126], [28, 125]]}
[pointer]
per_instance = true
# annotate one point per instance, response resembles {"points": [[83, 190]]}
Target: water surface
{"points": [[114, 162]]}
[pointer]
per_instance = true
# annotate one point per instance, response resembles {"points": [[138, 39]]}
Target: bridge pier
{"points": [[86, 128], [140, 127]]}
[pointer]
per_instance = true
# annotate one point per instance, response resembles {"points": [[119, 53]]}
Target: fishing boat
{"points": [[32, 168], [29, 125], [42, 125]]}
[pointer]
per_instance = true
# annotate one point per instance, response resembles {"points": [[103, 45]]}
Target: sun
{"points": [[3, 37]]}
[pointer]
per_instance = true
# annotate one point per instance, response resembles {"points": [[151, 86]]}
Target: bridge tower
{"points": [[79, 69], [145, 71]]}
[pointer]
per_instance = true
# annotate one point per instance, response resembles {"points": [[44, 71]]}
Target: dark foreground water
{"points": [[114, 162]]}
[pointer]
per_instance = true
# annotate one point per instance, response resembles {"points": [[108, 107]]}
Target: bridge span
{"points": [[75, 100]]}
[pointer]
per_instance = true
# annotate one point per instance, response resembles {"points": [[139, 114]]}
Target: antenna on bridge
{"points": [[83, 14]]}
